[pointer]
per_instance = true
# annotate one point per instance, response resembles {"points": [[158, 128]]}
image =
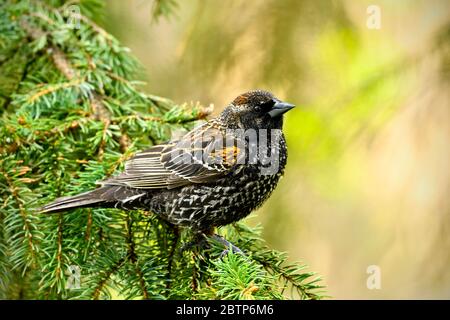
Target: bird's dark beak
{"points": [[279, 108]]}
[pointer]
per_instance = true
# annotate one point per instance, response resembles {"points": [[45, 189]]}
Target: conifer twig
{"points": [[132, 256], [22, 211], [105, 278], [63, 64]]}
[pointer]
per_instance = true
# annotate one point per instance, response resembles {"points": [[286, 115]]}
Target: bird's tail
{"points": [[106, 196]]}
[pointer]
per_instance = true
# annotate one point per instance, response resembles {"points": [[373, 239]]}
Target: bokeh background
{"points": [[368, 178]]}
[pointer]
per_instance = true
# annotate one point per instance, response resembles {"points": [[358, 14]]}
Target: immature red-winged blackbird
{"points": [[216, 174]]}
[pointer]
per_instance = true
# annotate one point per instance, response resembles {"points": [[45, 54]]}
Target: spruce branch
{"points": [[63, 64], [132, 256], [27, 225], [105, 277]]}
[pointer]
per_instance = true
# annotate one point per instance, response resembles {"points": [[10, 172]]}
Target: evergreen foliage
{"points": [[71, 113]]}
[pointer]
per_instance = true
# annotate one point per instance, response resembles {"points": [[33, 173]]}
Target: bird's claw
{"points": [[201, 242], [229, 246]]}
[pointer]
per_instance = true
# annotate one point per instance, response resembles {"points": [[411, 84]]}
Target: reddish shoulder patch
{"points": [[240, 100]]}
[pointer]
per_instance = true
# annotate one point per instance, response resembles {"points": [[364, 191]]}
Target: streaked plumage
{"points": [[199, 181]]}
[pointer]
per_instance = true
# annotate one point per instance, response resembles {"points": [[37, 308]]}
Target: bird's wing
{"points": [[201, 156]]}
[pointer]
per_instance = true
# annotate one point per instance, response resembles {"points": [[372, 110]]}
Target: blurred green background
{"points": [[368, 178]]}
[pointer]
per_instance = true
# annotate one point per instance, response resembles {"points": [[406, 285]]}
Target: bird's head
{"points": [[255, 109]]}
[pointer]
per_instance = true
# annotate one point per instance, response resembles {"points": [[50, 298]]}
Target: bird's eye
{"points": [[266, 105]]}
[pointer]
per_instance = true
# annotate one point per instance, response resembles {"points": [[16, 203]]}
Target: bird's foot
{"points": [[229, 246], [201, 242]]}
